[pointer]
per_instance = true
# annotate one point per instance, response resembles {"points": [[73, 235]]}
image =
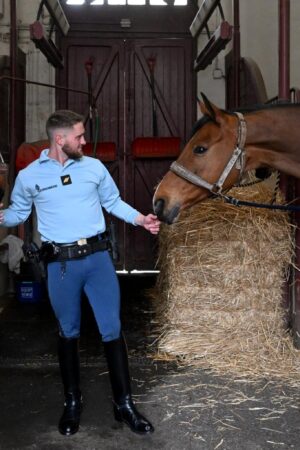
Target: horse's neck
{"points": [[273, 138], [276, 129]]}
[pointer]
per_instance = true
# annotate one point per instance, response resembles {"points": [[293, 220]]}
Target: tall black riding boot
{"points": [[69, 367], [124, 409]]}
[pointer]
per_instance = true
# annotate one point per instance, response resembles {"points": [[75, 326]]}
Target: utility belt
{"points": [[53, 251]]}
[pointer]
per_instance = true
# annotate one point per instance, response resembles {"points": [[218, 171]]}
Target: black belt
{"points": [[84, 247], [81, 242]]}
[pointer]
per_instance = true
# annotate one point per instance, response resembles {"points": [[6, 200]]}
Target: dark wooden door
{"points": [[123, 85], [171, 80]]}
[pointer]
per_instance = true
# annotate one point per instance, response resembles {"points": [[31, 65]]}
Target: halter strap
{"points": [[241, 141], [182, 172], [242, 130], [237, 160]]}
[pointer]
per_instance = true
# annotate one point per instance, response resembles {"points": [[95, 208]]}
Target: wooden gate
{"points": [[136, 83]]}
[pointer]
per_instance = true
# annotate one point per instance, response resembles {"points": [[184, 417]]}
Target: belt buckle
{"points": [[82, 241]]}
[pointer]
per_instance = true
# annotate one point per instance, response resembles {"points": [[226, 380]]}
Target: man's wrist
{"points": [[139, 220]]}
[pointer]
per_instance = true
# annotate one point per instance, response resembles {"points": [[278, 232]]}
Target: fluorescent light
{"points": [[136, 2], [75, 2], [158, 2], [203, 15], [58, 15], [180, 2], [97, 2], [116, 2]]}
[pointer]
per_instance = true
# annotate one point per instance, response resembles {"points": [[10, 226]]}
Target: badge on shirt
{"points": [[66, 179]]}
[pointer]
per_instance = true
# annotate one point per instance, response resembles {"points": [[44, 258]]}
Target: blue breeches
{"points": [[96, 276]]}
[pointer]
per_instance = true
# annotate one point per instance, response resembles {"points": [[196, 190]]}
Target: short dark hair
{"points": [[63, 118]]}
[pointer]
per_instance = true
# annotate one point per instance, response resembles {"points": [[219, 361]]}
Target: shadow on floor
{"points": [[191, 409], [29, 330]]}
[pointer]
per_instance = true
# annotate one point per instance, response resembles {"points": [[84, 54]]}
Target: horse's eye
{"points": [[199, 150]]}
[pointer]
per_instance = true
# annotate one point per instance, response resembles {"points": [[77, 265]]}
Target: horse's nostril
{"points": [[159, 206]]}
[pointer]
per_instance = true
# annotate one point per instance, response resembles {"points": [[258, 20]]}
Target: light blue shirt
{"points": [[68, 198]]}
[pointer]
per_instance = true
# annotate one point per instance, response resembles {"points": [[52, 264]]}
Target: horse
{"points": [[225, 145]]}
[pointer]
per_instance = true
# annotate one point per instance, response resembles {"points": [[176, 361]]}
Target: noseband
{"points": [[237, 160]]}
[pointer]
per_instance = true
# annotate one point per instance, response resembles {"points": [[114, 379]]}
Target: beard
{"points": [[71, 152]]}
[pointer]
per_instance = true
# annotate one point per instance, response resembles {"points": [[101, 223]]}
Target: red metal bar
{"points": [[292, 292], [284, 64], [295, 291], [236, 53], [284, 50], [12, 105], [284, 94]]}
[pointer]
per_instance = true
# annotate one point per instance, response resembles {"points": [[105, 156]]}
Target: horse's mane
{"points": [[259, 107]]}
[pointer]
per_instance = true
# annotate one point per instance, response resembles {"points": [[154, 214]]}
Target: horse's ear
{"points": [[211, 110]]}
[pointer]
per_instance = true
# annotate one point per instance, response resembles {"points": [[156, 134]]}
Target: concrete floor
{"points": [[190, 409]]}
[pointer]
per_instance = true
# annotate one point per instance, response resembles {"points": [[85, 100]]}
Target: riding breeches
{"points": [[96, 276]]}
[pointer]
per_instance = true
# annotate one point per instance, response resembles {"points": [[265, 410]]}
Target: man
{"points": [[68, 191]]}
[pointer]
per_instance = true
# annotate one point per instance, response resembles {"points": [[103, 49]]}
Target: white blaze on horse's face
{"points": [[205, 155]]}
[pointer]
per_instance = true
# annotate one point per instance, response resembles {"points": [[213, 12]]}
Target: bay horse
{"points": [[224, 145]]}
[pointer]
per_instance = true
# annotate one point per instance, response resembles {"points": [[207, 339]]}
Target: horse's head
{"points": [[205, 155]]}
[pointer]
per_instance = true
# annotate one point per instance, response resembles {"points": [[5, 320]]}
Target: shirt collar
{"points": [[44, 157]]}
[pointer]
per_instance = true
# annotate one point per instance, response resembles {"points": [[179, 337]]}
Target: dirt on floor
{"points": [[189, 408]]}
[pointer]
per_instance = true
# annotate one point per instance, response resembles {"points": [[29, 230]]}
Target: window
{"points": [[126, 2]]}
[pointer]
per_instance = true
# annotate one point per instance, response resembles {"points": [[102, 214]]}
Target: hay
{"points": [[218, 298]]}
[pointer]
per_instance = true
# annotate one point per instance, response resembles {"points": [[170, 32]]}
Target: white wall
{"points": [[4, 27], [295, 44], [211, 81], [259, 23], [40, 101], [259, 38]]}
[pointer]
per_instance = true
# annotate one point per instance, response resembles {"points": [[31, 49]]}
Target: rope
{"points": [[250, 183], [276, 188]]}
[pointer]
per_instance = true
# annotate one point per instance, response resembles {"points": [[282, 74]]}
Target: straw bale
{"points": [[218, 297]]}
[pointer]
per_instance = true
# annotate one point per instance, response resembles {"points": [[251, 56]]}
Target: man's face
{"points": [[73, 141]]}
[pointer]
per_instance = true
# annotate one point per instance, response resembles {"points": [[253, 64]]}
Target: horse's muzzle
{"points": [[163, 214]]}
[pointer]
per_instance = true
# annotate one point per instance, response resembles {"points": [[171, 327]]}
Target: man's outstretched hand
{"points": [[149, 222]]}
